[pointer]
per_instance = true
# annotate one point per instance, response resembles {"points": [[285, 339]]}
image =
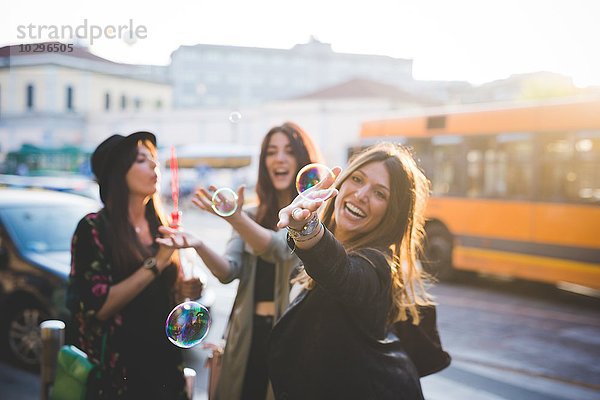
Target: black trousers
{"points": [[256, 378]]}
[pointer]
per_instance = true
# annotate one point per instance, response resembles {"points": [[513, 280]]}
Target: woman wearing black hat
{"points": [[122, 283]]}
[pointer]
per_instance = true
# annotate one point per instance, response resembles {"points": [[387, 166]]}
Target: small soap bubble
{"points": [[129, 37], [308, 179], [188, 324], [235, 117], [200, 89], [224, 202]]}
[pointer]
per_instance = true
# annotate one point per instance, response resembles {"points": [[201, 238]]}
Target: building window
{"points": [[123, 102], [213, 56], [138, 103], [70, 106], [30, 99], [107, 101], [159, 104]]}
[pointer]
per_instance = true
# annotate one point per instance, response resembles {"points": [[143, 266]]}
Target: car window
{"points": [[43, 229]]}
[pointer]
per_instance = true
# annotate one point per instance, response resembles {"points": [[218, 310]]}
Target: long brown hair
{"points": [[401, 229], [304, 151], [126, 249]]}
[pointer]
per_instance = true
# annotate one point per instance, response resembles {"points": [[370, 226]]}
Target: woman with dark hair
{"points": [[257, 255], [123, 284], [359, 277]]}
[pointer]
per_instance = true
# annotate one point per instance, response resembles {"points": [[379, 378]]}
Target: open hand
{"points": [[177, 239], [203, 200], [297, 214]]}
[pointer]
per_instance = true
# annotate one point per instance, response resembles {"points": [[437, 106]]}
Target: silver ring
{"points": [[294, 212]]}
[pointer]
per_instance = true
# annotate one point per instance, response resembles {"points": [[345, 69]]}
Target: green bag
{"points": [[73, 370], [75, 373]]}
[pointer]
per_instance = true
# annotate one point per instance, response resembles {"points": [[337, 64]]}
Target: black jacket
{"points": [[332, 342]]}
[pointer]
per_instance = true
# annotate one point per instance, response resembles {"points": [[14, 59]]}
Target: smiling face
{"points": [[142, 176], [362, 201], [280, 162]]}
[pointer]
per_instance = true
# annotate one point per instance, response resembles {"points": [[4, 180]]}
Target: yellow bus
{"points": [[515, 188]]}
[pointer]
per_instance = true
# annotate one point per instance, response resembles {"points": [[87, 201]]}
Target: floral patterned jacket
{"points": [[89, 283]]}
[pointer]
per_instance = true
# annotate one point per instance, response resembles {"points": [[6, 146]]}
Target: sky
{"points": [[470, 40]]}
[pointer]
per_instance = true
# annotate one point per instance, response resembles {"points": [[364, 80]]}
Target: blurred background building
{"points": [[56, 107], [47, 102], [232, 76]]}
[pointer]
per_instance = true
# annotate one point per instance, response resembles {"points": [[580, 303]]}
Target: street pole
{"points": [[53, 337], [190, 381]]}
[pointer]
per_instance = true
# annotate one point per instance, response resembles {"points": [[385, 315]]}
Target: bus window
{"points": [[475, 171], [518, 167], [421, 151], [494, 182], [447, 164], [584, 182], [507, 168], [556, 167]]}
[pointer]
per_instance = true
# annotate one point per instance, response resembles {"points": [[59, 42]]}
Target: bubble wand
{"points": [[175, 214], [188, 323], [186, 256]]}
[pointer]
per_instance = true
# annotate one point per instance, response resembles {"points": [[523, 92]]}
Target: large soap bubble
{"points": [[224, 202], [188, 324], [309, 178]]}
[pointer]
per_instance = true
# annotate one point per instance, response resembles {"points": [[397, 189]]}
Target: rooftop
{"points": [[366, 88]]}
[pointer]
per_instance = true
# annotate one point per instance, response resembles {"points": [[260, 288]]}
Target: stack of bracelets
{"points": [[311, 229]]}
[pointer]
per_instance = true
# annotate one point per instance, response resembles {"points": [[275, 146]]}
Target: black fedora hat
{"points": [[112, 148]]}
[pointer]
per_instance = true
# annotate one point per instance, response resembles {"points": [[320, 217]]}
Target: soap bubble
{"points": [[224, 202], [235, 117], [200, 89], [308, 179], [129, 37], [188, 324]]}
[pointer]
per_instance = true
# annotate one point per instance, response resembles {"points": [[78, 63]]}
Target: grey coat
{"points": [[242, 260]]}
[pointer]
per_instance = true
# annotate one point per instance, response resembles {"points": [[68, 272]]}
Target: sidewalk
{"points": [[458, 382], [467, 381]]}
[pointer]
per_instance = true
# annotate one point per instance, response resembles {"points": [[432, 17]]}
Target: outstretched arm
{"points": [[302, 211], [254, 235], [216, 263]]}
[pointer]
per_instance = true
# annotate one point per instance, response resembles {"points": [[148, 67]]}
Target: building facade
{"points": [[47, 99], [232, 76]]}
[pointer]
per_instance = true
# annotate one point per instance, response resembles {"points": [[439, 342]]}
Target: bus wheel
{"points": [[438, 252]]}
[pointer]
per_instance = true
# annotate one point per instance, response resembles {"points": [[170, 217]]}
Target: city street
{"points": [[508, 340], [476, 123]]}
